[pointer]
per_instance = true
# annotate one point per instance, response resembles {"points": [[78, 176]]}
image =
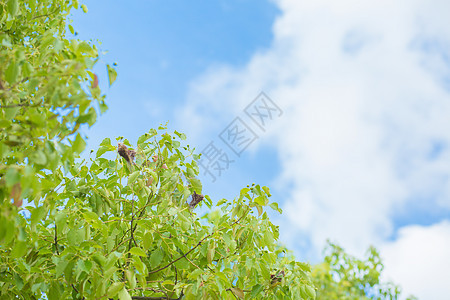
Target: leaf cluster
{"points": [[342, 276], [47, 91], [125, 229]]}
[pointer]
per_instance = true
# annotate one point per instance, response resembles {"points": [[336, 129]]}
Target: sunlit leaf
{"points": [[114, 289], [12, 7], [124, 295], [112, 74], [78, 144], [156, 258], [137, 251]]}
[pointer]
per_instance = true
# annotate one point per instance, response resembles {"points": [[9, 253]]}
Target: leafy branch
{"points": [[198, 244], [46, 15]]}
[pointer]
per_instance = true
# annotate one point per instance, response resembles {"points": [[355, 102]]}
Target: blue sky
{"points": [[159, 48], [361, 152]]}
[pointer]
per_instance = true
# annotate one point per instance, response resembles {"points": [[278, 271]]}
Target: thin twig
{"points": [[46, 15], [22, 105], [56, 240], [195, 247]]}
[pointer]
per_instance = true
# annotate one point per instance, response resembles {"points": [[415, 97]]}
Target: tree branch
{"points": [[195, 247], [131, 236], [174, 261], [46, 15], [56, 240], [22, 105], [142, 210]]}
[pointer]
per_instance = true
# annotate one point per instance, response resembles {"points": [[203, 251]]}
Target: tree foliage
{"points": [[47, 91], [125, 223], [119, 227], [342, 276]]}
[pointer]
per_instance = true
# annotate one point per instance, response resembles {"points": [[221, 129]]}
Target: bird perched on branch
{"points": [[127, 154], [276, 278], [196, 198]]}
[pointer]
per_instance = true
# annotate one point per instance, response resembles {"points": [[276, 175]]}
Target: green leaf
{"points": [[4, 124], [54, 292], [90, 216], [11, 112], [99, 259], [267, 190], [137, 251], [60, 267], [12, 176], [18, 281], [78, 144], [133, 176], [268, 239], [90, 117], [156, 258], [101, 150], [208, 201], [221, 201], [7, 230], [115, 288], [12, 7], [19, 250], [32, 85], [256, 290], [139, 265], [148, 240], [106, 142], [123, 294], [196, 185], [261, 200], [142, 139], [38, 214], [238, 292], [182, 136], [310, 291], [103, 106], [27, 69], [84, 8], [75, 236], [12, 72], [84, 47], [131, 277], [274, 206], [260, 210], [112, 74], [38, 157], [244, 191], [211, 251], [194, 274], [22, 235]]}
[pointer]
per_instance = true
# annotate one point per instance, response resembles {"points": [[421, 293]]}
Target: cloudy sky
{"points": [[356, 133]]}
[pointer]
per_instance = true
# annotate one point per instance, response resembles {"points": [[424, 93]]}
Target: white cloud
{"points": [[419, 260], [366, 122]]}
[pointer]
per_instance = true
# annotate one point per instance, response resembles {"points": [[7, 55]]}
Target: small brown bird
{"points": [[127, 154], [276, 278], [196, 198]]}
